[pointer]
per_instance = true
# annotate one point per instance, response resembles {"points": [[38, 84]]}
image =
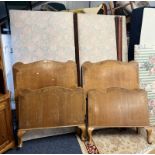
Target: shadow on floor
{"points": [[62, 144]]}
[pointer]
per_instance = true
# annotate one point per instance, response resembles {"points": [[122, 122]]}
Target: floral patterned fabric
{"points": [[91, 148], [145, 56]]}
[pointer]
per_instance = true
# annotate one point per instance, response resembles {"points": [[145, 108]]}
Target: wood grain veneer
{"points": [[51, 107], [47, 96], [43, 74], [118, 107], [114, 97], [110, 73], [6, 128]]}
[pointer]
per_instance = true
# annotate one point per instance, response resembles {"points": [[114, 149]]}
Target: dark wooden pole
{"points": [[76, 42], [118, 21]]}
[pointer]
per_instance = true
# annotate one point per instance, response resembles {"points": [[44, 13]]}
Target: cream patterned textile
{"points": [[120, 141], [38, 35], [97, 38], [145, 56]]}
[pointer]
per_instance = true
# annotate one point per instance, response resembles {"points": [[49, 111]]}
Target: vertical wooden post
{"points": [[118, 22], [76, 43]]}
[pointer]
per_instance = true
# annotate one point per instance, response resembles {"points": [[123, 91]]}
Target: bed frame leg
{"points": [[20, 135], [83, 132], [149, 133], [90, 131]]}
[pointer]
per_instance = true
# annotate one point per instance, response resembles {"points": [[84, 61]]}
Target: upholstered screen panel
{"points": [[38, 35], [97, 38], [145, 56]]}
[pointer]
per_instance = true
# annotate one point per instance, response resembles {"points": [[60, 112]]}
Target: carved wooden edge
{"points": [[90, 132], [24, 92], [109, 62], [147, 128], [18, 65], [86, 65], [149, 133], [83, 132], [11, 145], [116, 89], [5, 96], [25, 67]]}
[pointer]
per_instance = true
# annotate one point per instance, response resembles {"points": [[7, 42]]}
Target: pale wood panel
{"points": [[44, 73], [116, 107], [6, 128], [51, 107], [110, 73], [3, 127]]}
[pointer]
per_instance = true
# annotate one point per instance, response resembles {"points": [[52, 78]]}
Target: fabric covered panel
{"points": [[38, 35], [145, 56], [97, 38]]}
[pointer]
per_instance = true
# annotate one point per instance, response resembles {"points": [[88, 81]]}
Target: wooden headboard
{"points": [[43, 74], [110, 73]]}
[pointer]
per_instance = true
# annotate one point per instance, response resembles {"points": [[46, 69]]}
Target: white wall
{"points": [[8, 61]]}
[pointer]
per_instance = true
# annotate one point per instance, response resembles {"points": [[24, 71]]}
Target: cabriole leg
{"points": [[20, 135], [90, 130], [149, 132], [83, 132]]}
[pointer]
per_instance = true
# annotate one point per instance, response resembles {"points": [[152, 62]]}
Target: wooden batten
{"points": [[76, 42], [118, 22]]}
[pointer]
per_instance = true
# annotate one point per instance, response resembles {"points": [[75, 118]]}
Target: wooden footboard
{"points": [[117, 107], [51, 107], [47, 96]]}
